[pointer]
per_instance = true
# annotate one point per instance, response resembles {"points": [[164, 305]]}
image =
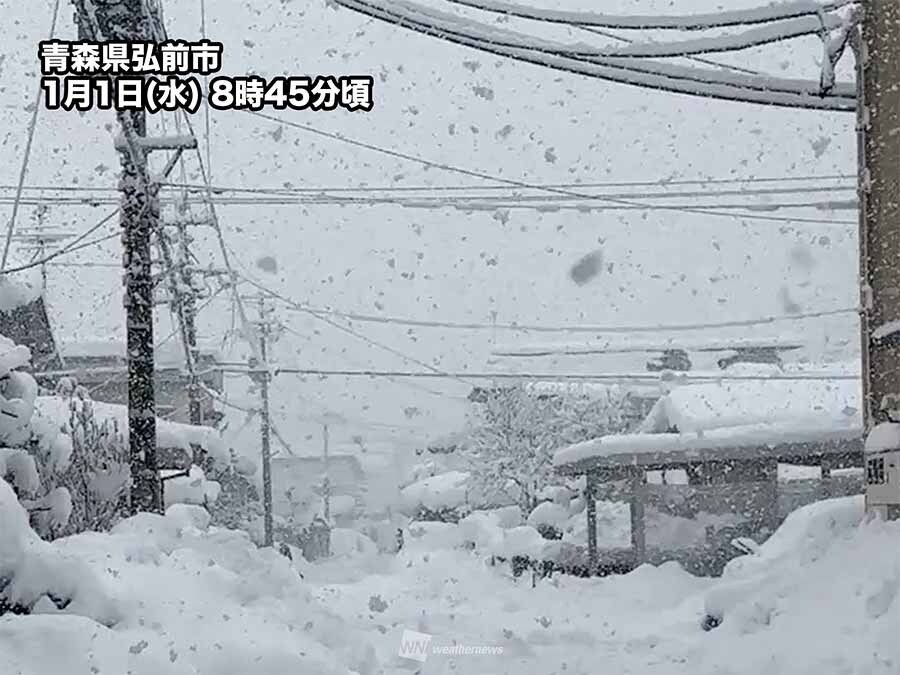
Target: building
{"points": [[102, 368], [29, 325]]}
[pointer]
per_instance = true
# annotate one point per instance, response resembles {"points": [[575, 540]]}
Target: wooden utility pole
{"points": [[262, 370], [878, 69]]}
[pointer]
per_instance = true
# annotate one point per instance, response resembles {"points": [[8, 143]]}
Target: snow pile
{"points": [[820, 596], [825, 598], [36, 575], [342, 506], [481, 530], [191, 489], [520, 541], [432, 536], [350, 543], [187, 598], [444, 491], [549, 514]]}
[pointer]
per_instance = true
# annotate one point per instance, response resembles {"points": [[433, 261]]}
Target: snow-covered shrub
{"points": [[85, 458]]}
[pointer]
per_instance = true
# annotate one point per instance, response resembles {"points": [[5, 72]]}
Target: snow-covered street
{"points": [[182, 598]]}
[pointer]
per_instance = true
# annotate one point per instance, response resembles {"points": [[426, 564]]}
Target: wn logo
{"points": [[414, 645]]}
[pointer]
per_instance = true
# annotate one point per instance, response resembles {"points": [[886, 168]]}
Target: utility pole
{"points": [[136, 21], [182, 299], [189, 305], [262, 371], [326, 485], [878, 132]]}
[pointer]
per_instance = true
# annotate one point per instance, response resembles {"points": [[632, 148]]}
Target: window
{"points": [[875, 472]]}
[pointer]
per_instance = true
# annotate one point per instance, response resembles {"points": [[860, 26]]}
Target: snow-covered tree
{"points": [[516, 430]]}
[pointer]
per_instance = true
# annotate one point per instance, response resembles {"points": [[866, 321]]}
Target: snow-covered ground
{"points": [[177, 597]]}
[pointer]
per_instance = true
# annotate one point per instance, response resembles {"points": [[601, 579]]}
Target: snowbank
{"points": [[350, 543], [432, 536], [444, 491], [191, 489], [187, 599], [548, 513], [34, 572], [821, 596]]}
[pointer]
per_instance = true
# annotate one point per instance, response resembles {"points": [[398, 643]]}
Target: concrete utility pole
{"points": [[878, 68], [264, 424], [132, 20]]}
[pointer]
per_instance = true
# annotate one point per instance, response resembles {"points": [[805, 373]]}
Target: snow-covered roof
{"points": [[776, 439], [731, 418], [168, 434], [715, 405], [170, 353]]}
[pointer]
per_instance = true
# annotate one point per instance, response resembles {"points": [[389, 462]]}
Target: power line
{"points": [[687, 22], [580, 377], [71, 247], [28, 143], [206, 112], [660, 76], [659, 182], [411, 385], [354, 333], [524, 327], [735, 210], [485, 176], [756, 36]]}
